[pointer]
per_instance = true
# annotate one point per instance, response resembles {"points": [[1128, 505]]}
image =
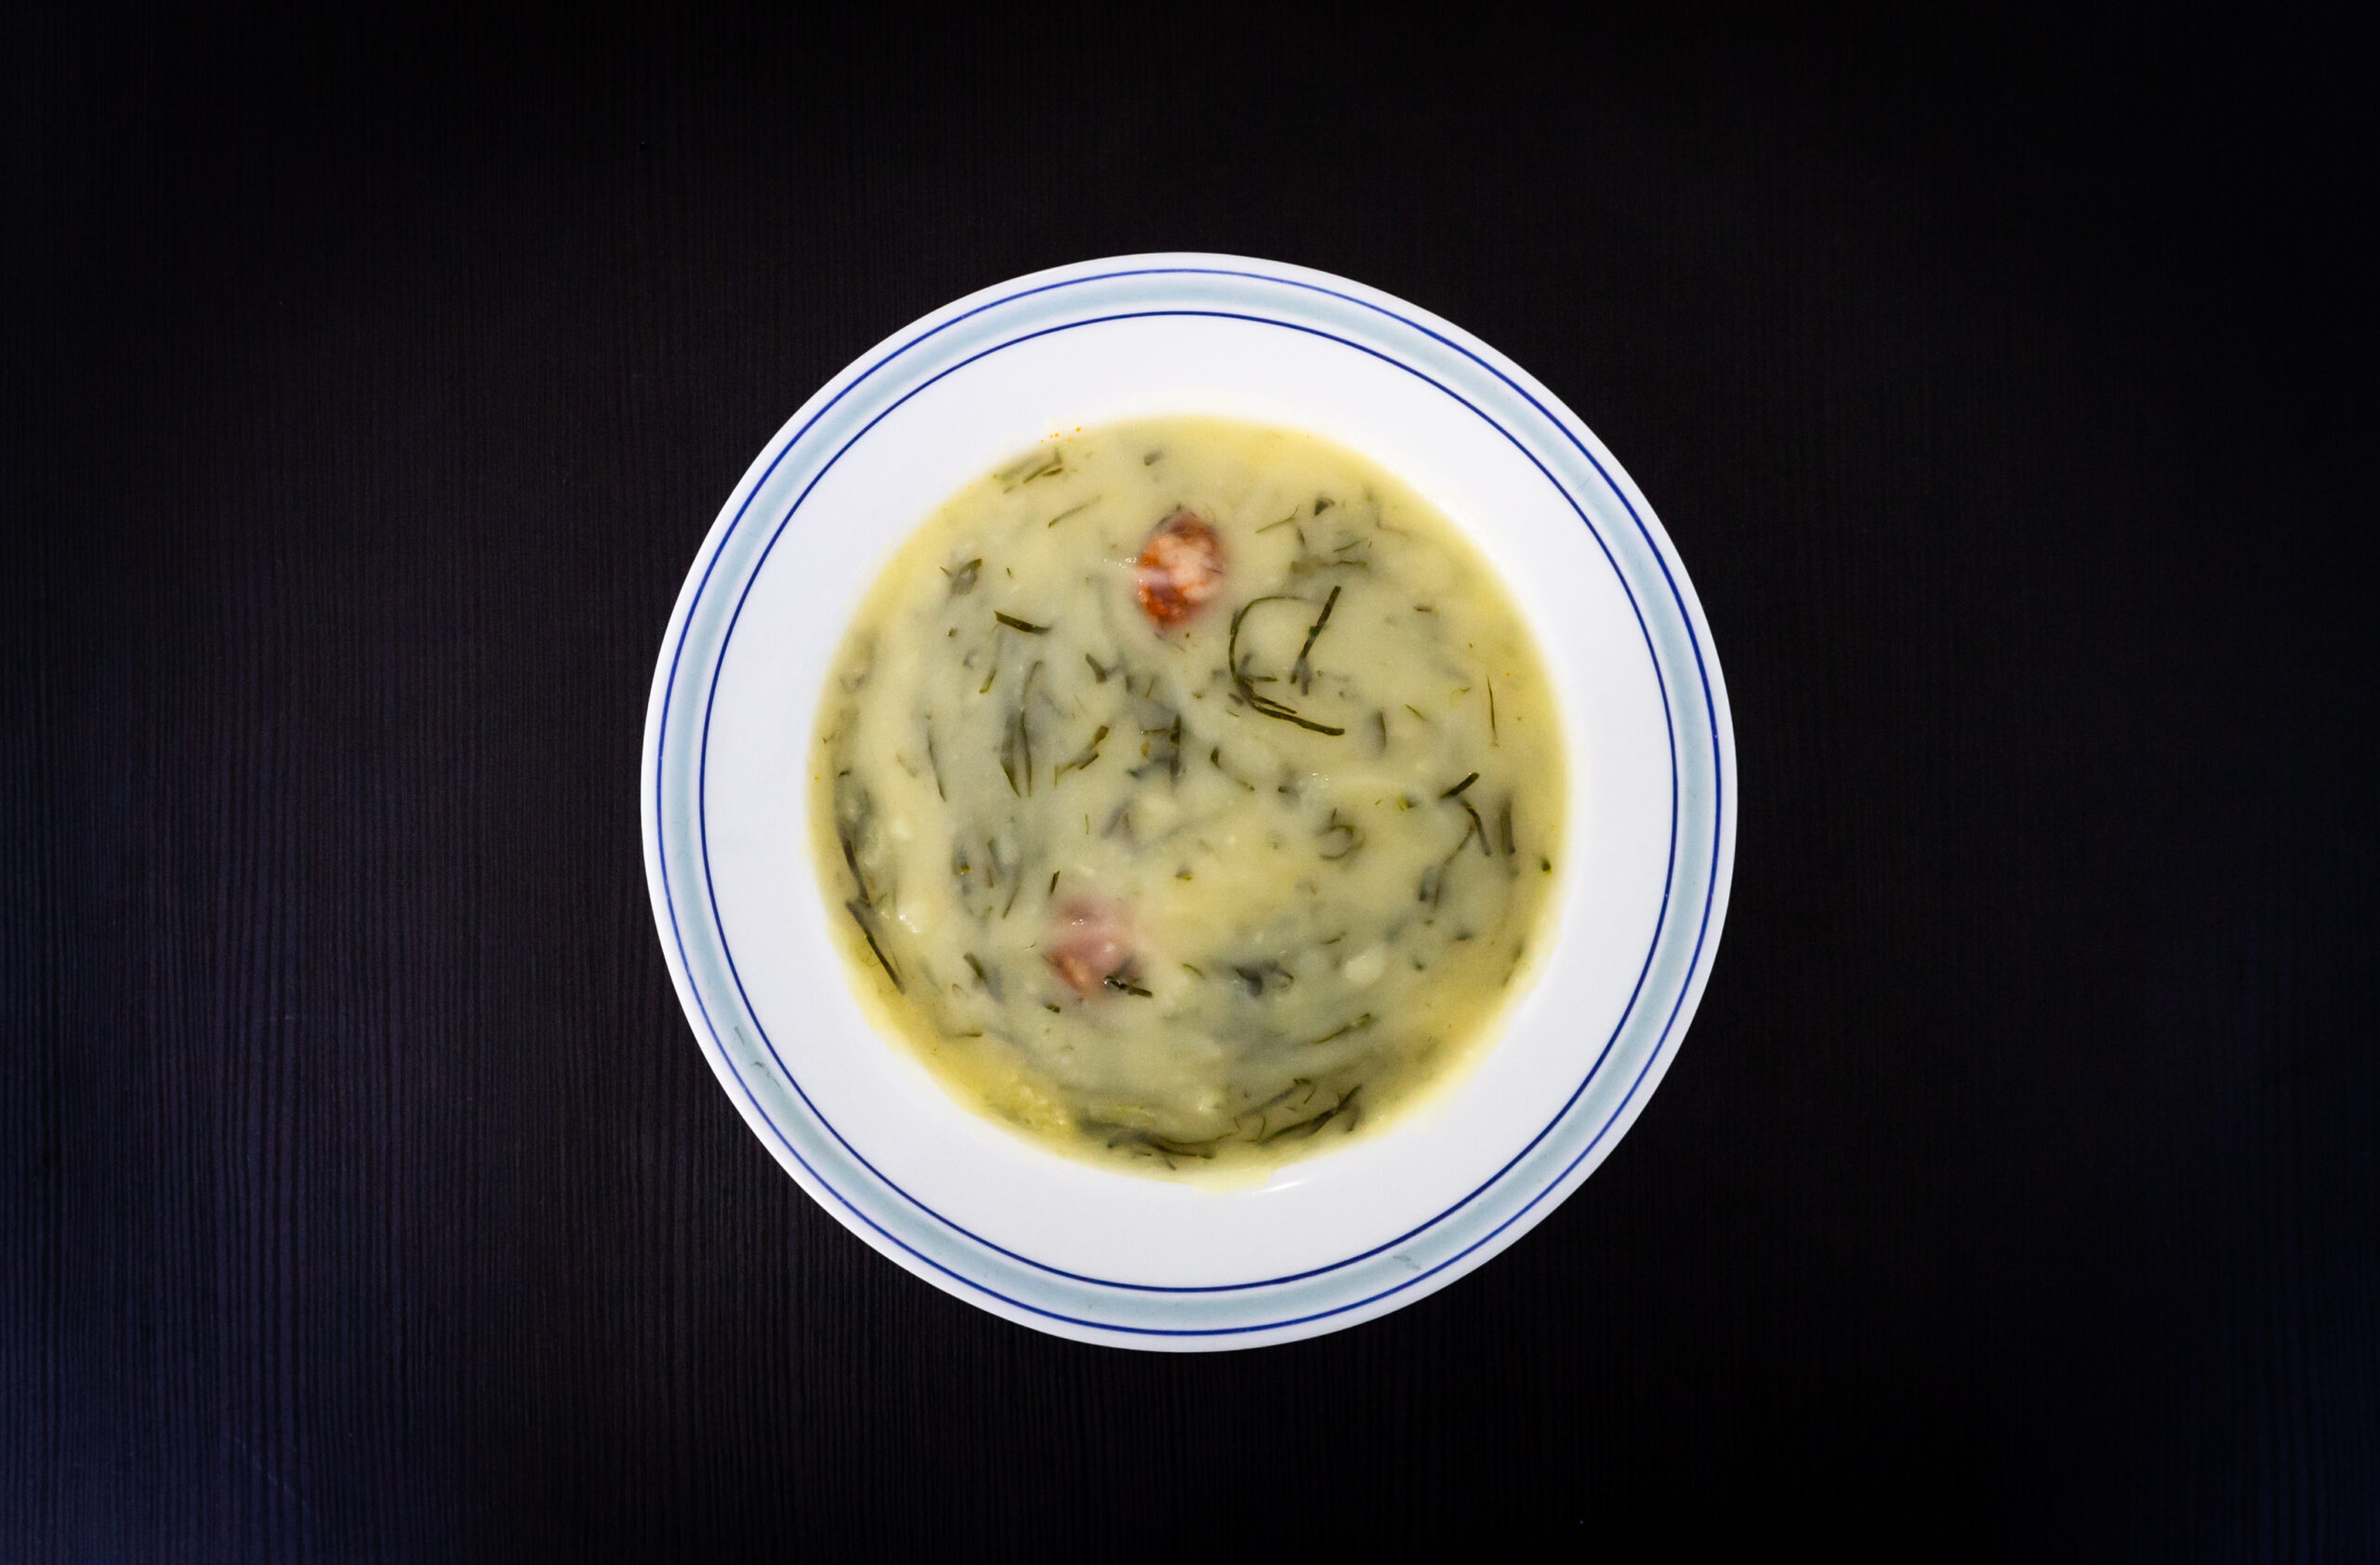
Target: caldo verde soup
{"points": [[1188, 794]]}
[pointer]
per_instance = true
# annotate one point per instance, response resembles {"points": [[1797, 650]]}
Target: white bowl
{"points": [[1111, 1256]]}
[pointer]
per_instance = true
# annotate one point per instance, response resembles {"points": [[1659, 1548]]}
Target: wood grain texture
{"points": [[362, 397]]}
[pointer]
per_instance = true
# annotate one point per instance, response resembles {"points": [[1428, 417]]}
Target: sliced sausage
{"points": [[1181, 568], [1089, 943]]}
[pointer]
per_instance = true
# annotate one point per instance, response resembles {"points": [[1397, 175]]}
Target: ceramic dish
{"points": [[1058, 1244]]}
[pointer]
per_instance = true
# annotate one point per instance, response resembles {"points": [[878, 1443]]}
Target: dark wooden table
{"points": [[364, 395]]}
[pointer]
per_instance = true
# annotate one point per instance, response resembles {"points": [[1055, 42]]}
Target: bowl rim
{"points": [[1191, 283]]}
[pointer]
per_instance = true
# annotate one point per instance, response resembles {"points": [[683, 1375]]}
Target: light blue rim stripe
{"points": [[1683, 979]]}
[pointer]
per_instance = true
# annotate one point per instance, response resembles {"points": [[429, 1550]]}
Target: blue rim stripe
{"points": [[1692, 969]]}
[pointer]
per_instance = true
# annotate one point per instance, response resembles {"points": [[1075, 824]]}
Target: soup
{"points": [[1188, 795]]}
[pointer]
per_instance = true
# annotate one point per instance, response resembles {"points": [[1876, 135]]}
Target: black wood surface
{"points": [[363, 396]]}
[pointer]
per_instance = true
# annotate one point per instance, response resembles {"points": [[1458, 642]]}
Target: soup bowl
{"points": [[1056, 1243]]}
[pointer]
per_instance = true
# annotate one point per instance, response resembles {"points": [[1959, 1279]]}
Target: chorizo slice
{"points": [[1181, 569], [1090, 945]]}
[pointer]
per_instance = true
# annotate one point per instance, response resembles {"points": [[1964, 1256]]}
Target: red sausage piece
{"points": [[1181, 568], [1090, 944]]}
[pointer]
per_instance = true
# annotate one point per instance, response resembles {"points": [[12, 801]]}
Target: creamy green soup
{"points": [[1188, 795]]}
